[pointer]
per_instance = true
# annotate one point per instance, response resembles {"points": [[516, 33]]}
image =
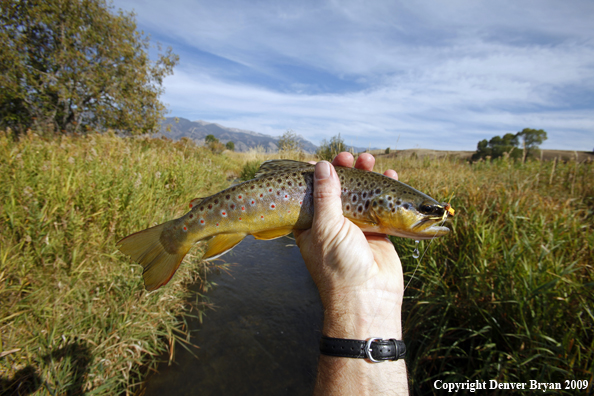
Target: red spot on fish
{"points": [[210, 206], [240, 219], [288, 211], [262, 217], [224, 213], [270, 190], [286, 196], [201, 221], [272, 206], [243, 208], [191, 205], [185, 228], [261, 195], [217, 224], [232, 206], [253, 202], [239, 197]]}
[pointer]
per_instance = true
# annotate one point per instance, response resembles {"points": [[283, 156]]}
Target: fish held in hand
{"points": [[276, 202]]}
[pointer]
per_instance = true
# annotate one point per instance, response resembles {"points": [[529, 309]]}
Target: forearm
{"points": [[375, 314]]}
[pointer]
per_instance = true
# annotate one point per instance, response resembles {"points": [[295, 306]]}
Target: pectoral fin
{"points": [[221, 244], [273, 233]]}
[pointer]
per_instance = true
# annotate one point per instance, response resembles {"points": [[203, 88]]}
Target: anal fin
{"points": [[273, 233], [221, 244]]}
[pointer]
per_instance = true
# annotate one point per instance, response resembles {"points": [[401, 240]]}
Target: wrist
{"points": [[363, 314]]}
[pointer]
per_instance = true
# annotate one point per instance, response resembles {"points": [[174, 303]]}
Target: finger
{"points": [[365, 162], [344, 159], [391, 173], [326, 195]]}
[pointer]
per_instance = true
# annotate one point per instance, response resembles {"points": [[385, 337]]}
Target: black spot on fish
{"points": [[289, 183], [294, 174], [381, 201], [348, 207], [360, 209], [366, 204], [354, 199], [390, 205], [267, 184], [364, 182], [232, 206], [300, 184], [393, 210], [406, 205], [233, 189], [228, 196], [209, 206], [374, 204], [191, 216], [377, 191], [216, 201], [364, 194], [201, 208], [251, 188], [359, 184], [398, 202], [279, 180], [389, 197], [283, 187]]}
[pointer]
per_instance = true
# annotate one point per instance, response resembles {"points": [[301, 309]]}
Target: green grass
{"points": [[509, 294], [74, 316]]}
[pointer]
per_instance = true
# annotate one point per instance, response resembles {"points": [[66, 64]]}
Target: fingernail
{"points": [[322, 170]]}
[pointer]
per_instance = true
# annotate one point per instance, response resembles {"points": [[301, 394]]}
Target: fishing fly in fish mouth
{"points": [[273, 204]]}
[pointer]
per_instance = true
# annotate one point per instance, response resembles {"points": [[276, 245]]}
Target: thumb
{"points": [[326, 196]]}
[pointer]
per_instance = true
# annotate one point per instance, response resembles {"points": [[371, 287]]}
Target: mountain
{"points": [[175, 128]]}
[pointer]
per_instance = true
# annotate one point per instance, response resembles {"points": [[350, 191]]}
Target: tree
{"points": [[210, 139], [497, 147], [328, 150], [74, 65], [230, 145], [289, 142], [531, 139]]}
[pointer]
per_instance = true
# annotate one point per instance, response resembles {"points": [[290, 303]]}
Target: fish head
{"points": [[417, 217]]}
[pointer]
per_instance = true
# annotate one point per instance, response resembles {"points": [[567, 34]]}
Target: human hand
{"points": [[359, 276]]}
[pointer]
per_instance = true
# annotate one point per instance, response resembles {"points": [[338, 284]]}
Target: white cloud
{"points": [[439, 74]]}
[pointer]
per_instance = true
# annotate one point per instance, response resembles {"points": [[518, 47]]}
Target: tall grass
{"points": [[509, 294], [74, 316]]}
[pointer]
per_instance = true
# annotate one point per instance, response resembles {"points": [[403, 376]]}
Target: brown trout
{"points": [[278, 201]]}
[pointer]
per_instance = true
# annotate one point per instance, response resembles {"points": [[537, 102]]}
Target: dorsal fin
{"points": [[281, 165], [195, 202]]}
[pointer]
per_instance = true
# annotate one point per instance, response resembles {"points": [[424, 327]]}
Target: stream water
{"points": [[263, 337]]}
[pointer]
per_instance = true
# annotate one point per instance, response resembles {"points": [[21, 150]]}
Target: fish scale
{"points": [[278, 201]]}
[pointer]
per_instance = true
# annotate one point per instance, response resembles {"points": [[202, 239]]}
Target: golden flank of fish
{"points": [[273, 204]]}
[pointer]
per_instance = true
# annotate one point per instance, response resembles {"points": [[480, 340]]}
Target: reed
{"points": [[508, 295], [74, 316]]}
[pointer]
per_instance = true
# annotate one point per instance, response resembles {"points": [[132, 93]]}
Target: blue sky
{"points": [[427, 74]]}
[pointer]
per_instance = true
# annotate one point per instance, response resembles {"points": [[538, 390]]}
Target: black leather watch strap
{"points": [[375, 349]]}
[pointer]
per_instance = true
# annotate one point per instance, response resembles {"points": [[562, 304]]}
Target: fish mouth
{"points": [[433, 218]]}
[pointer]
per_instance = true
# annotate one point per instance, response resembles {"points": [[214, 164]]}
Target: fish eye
{"points": [[431, 209]]}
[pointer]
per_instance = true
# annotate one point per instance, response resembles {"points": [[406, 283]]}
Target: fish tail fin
{"points": [[159, 254]]}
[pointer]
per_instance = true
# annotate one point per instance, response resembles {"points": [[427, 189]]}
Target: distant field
{"points": [[547, 155]]}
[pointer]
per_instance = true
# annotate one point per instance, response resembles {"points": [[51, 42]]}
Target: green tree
{"points": [[230, 146], [497, 147], [531, 139], [289, 142], [210, 139], [75, 65], [328, 150]]}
